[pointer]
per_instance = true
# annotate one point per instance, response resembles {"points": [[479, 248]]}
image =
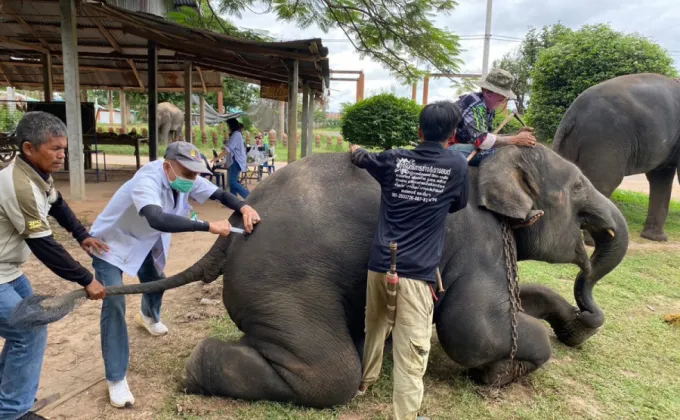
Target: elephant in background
{"points": [[302, 307], [625, 126], [170, 120]]}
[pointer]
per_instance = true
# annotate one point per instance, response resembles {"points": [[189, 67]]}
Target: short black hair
{"points": [[233, 124], [438, 120]]}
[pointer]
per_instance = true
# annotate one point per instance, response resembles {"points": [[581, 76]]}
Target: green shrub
{"points": [[583, 59], [384, 121], [512, 127]]}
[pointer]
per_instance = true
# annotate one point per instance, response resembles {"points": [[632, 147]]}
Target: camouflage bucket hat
{"points": [[498, 81]]}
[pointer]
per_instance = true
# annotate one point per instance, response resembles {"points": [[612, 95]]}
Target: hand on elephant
{"points": [[250, 218], [527, 129], [353, 148], [525, 139], [220, 227]]}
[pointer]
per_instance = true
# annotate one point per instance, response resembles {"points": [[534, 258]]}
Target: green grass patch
{"points": [[630, 369], [634, 205]]}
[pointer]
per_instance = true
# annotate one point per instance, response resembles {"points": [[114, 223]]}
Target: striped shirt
{"points": [[477, 120]]}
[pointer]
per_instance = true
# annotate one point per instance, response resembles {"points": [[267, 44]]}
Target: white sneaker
{"points": [[154, 328], [120, 395]]}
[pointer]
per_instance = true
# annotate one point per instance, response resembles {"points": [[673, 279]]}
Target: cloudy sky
{"points": [[656, 19]]}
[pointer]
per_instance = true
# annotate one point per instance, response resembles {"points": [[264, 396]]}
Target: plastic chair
{"points": [[213, 173]]}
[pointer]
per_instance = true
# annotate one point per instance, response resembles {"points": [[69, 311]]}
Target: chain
{"points": [[510, 256]]}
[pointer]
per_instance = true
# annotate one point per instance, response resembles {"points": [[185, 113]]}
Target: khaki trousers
{"points": [[411, 335]]}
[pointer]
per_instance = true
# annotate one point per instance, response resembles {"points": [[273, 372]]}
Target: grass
{"points": [[634, 205], [630, 369]]}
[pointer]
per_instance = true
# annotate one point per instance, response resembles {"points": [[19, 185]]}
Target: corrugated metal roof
{"points": [[111, 38]]}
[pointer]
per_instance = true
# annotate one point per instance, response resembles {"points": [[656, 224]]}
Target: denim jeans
{"points": [[234, 186], [114, 334], [22, 356], [467, 149]]}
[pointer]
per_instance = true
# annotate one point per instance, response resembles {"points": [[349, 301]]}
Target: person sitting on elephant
{"points": [[136, 225], [236, 161], [479, 110], [420, 188]]}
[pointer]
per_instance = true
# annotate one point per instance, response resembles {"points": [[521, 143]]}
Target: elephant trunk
{"points": [[605, 223]]}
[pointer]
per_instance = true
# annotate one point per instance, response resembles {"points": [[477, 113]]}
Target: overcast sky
{"points": [[656, 19]]}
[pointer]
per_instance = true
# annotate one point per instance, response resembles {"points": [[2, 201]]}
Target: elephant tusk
{"points": [[611, 233]]}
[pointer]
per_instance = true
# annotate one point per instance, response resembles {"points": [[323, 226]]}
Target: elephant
{"points": [[170, 119], [625, 126], [296, 286]]}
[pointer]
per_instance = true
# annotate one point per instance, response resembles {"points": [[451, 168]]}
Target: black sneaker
{"points": [[31, 416]]}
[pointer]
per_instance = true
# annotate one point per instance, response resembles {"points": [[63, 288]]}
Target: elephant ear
{"points": [[506, 185]]}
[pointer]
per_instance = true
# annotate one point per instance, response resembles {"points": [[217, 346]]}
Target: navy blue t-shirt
{"points": [[419, 188]]}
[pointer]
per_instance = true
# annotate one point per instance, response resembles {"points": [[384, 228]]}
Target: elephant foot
{"points": [[654, 235], [501, 373]]}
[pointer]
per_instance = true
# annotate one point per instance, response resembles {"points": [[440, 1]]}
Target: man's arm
{"points": [[463, 189], [375, 163], [166, 222], [63, 214], [58, 260]]}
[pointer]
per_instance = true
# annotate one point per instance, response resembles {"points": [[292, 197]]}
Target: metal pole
{"points": [[487, 38], [69, 43]]}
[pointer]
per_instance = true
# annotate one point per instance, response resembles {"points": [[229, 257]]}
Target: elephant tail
{"points": [[563, 131]]}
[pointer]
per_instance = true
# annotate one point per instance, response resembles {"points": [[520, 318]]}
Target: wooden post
{"points": [[426, 89], [220, 102], [110, 107], [305, 119], [202, 114], [69, 43], [47, 77], [292, 112], [152, 86], [310, 123], [413, 91], [360, 86], [123, 110], [282, 116], [187, 102]]}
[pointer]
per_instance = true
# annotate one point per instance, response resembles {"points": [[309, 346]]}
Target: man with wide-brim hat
{"points": [[479, 110]]}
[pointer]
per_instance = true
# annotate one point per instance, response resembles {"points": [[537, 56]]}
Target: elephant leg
{"points": [[533, 350], [544, 303], [660, 188], [319, 372]]}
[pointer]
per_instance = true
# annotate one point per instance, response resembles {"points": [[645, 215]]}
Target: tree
{"points": [[521, 61], [396, 33], [582, 59], [384, 121]]}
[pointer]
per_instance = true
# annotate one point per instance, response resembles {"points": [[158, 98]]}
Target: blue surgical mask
{"points": [[180, 184]]}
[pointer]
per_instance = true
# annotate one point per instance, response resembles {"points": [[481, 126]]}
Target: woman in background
{"points": [[236, 161]]}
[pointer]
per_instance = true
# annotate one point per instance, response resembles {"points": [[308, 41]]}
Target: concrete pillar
{"points": [[292, 112], [187, 102], [360, 86], [413, 91], [310, 123], [123, 110], [305, 119], [220, 102], [69, 47], [152, 89], [282, 116], [47, 77], [202, 115]]}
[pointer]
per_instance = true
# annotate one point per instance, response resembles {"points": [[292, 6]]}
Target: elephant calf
{"points": [[296, 287]]}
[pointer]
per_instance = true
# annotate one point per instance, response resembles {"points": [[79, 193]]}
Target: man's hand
{"points": [[527, 129], [353, 148], [524, 139], [221, 227], [95, 290], [250, 218], [94, 246]]}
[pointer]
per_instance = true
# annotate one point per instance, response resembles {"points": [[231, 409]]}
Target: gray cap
{"points": [[187, 155]]}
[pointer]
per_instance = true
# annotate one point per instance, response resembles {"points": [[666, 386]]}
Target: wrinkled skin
{"points": [[296, 286], [625, 126], [170, 121]]}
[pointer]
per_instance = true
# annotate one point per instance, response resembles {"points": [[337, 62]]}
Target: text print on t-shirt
{"points": [[419, 182]]}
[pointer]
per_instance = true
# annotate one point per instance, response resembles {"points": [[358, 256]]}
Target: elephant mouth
{"points": [[533, 217]]}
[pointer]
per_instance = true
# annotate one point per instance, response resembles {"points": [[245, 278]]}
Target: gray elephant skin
{"points": [[296, 286], [625, 126], [170, 121]]}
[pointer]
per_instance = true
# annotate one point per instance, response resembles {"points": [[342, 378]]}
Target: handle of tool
{"points": [[440, 284], [393, 253]]}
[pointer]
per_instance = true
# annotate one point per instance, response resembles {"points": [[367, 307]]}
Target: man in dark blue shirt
{"points": [[419, 188]]}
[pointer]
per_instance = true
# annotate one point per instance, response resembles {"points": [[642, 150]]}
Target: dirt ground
{"points": [[73, 361]]}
